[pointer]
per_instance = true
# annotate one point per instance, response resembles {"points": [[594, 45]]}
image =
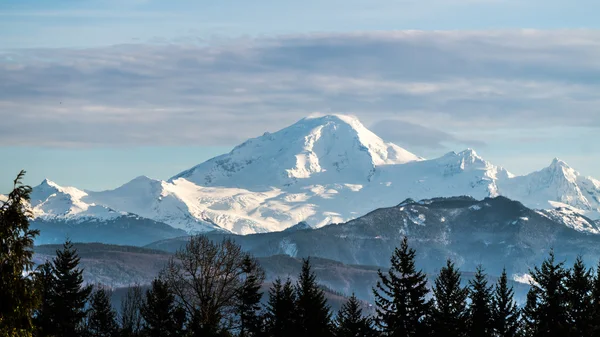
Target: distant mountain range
{"points": [[495, 232], [320, 171]]}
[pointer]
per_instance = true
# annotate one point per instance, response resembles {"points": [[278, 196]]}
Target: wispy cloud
{"points": [[174, 94]]}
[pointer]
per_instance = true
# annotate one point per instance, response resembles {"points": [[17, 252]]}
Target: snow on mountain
{"points": [[325, 149], [320, 170], [49, 200], [158, 200], [555, 183]]}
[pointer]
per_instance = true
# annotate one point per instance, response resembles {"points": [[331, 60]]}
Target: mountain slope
{"points": [[314, 150], [495, 232], [320, 170], [123, 230]]}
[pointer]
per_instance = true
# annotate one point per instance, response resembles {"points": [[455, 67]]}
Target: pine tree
{"points": [[18, 299], [249, 297], [549, 285], [43, 318], [400, 296], [505, 312], [579, 297], [530, 315], [69, 296], [450, 308], [480, 310], [350, 322], [314, 316], [595, 311], [102, 320], [162, 316], [281, 310]]}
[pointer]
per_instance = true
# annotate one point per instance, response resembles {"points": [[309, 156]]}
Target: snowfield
{"points": [[320, 170]]}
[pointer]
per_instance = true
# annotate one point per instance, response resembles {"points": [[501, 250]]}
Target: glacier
{"points": [[320, 170]]}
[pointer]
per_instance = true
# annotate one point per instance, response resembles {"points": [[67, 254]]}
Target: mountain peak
{"points": [[335, 118], [49, 183], [316, 146], [559, 163]]}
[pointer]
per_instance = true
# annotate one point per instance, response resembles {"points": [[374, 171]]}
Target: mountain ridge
{"points": [[320, 170]]}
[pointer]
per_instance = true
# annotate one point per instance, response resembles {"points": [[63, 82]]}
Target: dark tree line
{"points": [[216, 289]]}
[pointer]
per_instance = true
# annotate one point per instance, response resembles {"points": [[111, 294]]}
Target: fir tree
{"points": [[579, 297], [102, 320], [162, 317], [314, 316], [43, 318], [350, 322], [69, 296], [549, 285], [17, 289], [400, 296], [281, 310], [505, 312], [595, 311], [249, 297], [450, 308], [480, 310], [530, 315]]}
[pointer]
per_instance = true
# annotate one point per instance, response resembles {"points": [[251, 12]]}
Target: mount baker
{"points": [[320, 170]]}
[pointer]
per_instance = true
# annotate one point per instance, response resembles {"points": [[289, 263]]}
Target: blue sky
{"points": [[94, 93]]}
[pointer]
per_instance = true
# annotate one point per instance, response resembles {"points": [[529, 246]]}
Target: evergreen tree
{"points": [[505, 312], [43, 318], [400, 296], [549, 285], [530, 315], [102, 320], [18, 299], [314, 316], [69, 296], [162, 317], [281, 310], [595, 311], [480, 310], [450, 308], [579, 297], [249, 297], [350, 322]]}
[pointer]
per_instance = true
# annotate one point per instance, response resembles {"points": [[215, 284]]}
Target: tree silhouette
{"points": [[69, 296], [17, 289], [350, 321], [314, 316], [281, 310], [579, 299], [505, 312], [249, 297], [450, 306], [549, 282], [162, 317], [102, 320], [401, 295]]}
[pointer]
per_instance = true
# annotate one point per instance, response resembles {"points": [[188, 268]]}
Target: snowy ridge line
{"points": [[320, 170]]}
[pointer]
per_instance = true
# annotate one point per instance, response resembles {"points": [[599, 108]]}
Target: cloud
{"points": [[415, 135], [221, 93]]}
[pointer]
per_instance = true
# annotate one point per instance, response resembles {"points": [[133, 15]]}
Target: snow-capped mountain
{"points": [[49, 200], [319, 170], [320, 150]]}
